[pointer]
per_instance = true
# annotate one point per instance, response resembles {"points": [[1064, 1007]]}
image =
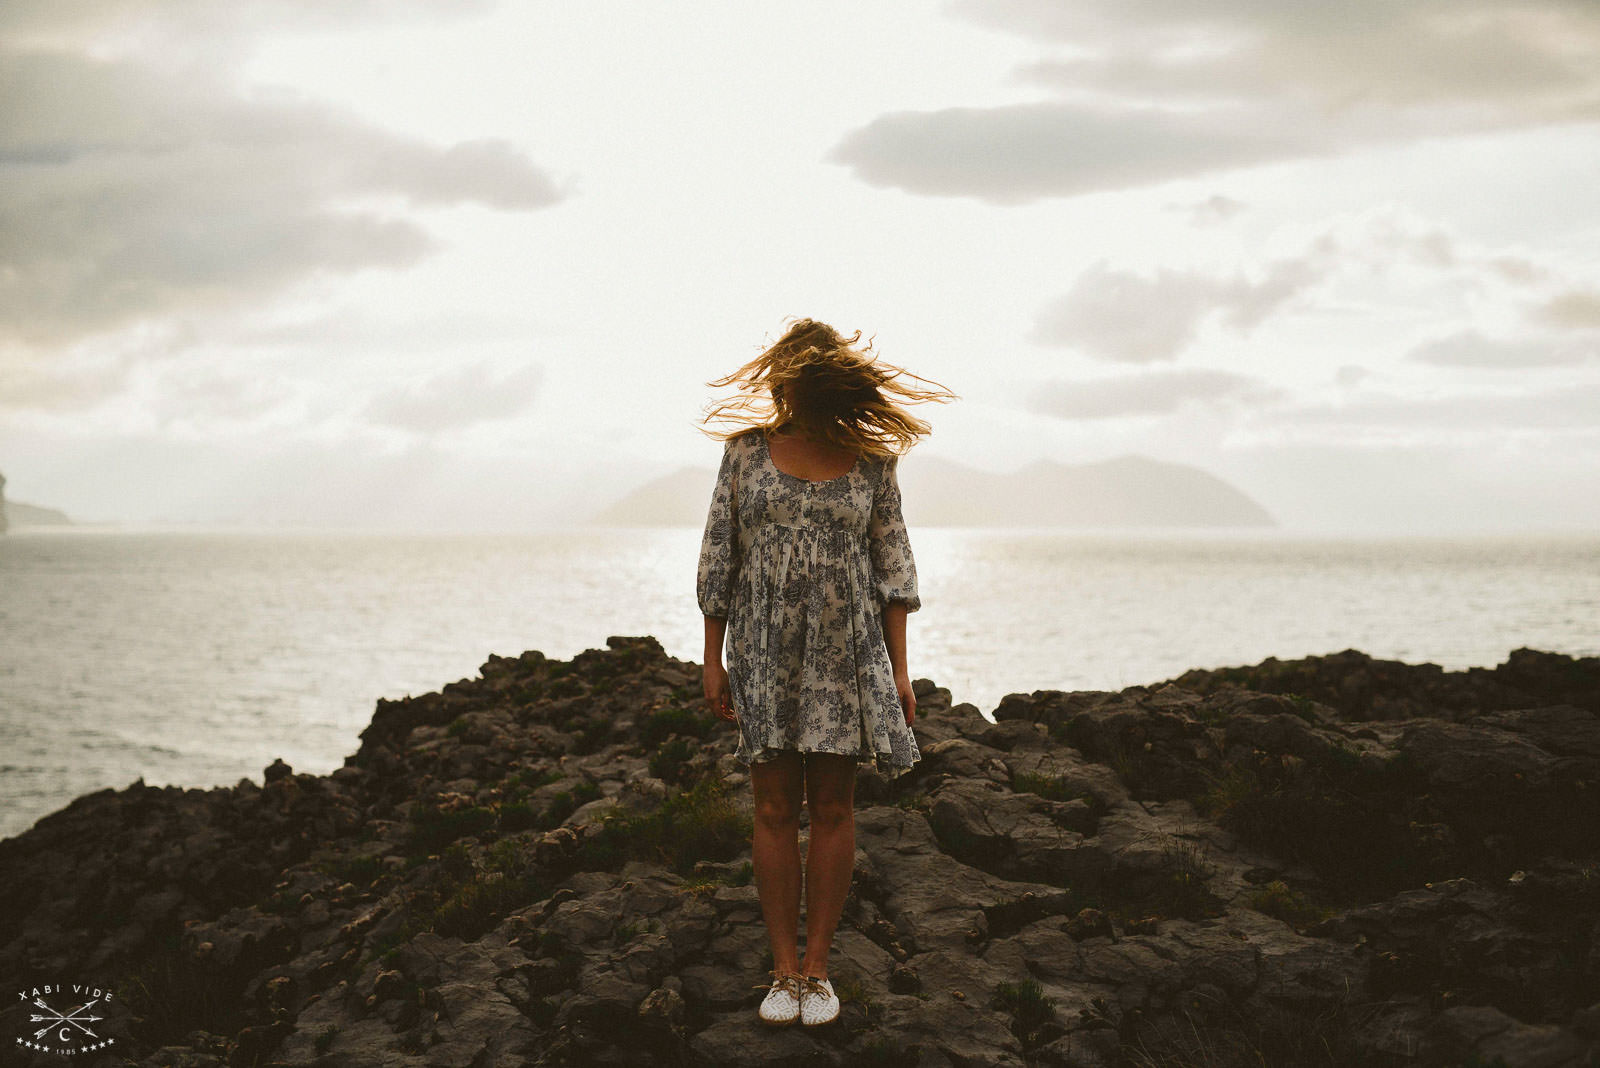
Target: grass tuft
{"points": [[1032, 1014], [701, 823]]}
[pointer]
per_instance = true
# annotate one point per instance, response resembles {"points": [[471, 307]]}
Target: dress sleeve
{"points": [[894, 572], [719, 547]]}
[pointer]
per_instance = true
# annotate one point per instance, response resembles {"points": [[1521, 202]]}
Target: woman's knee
{"points": [[777, 813], [831, 813], [830, 786]]}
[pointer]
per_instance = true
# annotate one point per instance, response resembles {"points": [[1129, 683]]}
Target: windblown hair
{"points": [[841, 393]]}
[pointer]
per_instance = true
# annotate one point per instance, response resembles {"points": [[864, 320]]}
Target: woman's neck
{"points": [[801, 430]]}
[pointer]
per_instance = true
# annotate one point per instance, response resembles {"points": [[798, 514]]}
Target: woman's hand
{"points": [[908, 699], [719, 697]]}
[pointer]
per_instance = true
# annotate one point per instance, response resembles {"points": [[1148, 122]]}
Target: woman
{"points": [[806, 570]]}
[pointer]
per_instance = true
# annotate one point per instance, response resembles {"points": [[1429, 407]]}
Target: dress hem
{"points": [[880, 760]]}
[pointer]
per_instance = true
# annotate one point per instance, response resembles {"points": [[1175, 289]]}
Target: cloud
{"points": [[1118, 315], [1469, 348], [1151, 393], [1164, 89], [1022, 152], [61, 385], [151, 184], [1211, 211], [1578, 309], [168, 23], [457, 399], [1566, 407], [1131, 318]]}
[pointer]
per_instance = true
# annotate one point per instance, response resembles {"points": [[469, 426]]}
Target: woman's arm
{"points": [[720, 561], [719, 694], [894, 636], [716, 630], [894, 574]]}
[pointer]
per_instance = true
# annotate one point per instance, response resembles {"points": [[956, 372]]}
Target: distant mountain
{"points": [[1126, 491], [17, 514], [31, 515], [679, 499]]}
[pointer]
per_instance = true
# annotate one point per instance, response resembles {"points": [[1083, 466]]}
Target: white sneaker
{"points": [[781, 1007], [818, 1003]]}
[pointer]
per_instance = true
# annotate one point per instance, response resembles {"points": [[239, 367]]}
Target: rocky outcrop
{"points": [[1360, 687], [548, 864]]}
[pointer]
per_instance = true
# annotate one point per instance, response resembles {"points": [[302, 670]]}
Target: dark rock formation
{"points": [[1361, 688], [548, 864]]}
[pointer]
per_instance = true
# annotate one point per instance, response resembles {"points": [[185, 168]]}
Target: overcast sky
{"points": [[435, 264]]}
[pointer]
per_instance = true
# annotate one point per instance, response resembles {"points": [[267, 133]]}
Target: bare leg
{"points": [[775, 853], [830, 795]]}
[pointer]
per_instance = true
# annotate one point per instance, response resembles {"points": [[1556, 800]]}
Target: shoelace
{"points": [[812, 985], [788, 980]]}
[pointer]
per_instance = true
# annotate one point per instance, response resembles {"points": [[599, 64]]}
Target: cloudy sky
{"points": [[435, 264]]}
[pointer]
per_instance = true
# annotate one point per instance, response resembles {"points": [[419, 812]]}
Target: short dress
{"points": [[801, 568]]}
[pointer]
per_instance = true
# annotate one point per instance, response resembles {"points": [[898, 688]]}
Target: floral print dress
{"points": [[801, 568]]}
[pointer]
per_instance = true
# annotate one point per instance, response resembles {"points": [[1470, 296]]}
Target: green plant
{"points": [[889, 1052], [363, 869], [565, 686], [592, 736], [467, 897], [325, 1038], [567, 802], [542, 1011], [433, 828], [1351, 822], [657, 727], [533, 778], [1129, 762], [172, 993], [670, 762], [1182, 889], [1032, 1014], [852, 991], [1276, 899], [1302, 707], [698, 884], [280, 903], [633, 929], [1053, 787], [701, 823], [517, 816]]}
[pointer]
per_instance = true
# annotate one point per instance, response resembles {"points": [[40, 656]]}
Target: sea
{"points": [[196, 657]]}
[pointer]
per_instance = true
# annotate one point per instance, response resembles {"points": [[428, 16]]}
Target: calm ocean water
{"points": [[195, 658]]}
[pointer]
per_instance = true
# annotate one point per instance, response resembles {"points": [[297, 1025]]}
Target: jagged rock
{"points": [[1329, 858]]}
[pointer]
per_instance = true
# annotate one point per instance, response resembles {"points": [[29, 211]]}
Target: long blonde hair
{"points": [[840, 392]]}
